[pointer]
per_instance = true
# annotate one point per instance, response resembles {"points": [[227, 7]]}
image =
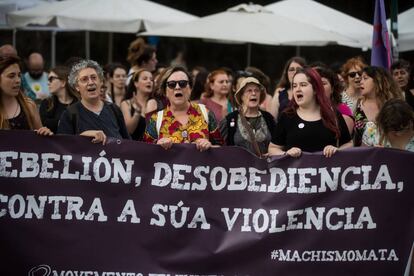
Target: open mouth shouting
{"points": [[299, 96], [253, 99], [92, 89], [178, 94]]}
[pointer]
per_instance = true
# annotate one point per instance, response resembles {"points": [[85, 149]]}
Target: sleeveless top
{"points": [[360, 124], [19, 122]]}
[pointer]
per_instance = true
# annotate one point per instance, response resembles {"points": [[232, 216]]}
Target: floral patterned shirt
{"points": [[196, 127], [360, 122], [371, 137]]}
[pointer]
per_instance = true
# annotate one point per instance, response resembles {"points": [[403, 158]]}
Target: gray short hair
{"points": [[77, 67]]}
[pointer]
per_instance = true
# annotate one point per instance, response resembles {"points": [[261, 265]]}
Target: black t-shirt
{"points": [[309, 136], [88, 120], [50, 118]]}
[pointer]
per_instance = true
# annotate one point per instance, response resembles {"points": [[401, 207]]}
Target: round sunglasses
{"points": [[353, 74], [181, 84]]}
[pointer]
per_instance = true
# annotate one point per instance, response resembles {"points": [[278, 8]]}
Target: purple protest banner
{"points": [[70, 207]]}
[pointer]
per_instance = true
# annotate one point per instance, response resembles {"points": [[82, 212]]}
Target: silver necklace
{"points": [[16, 111]]}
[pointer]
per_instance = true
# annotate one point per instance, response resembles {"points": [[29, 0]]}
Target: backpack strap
{"points": [[204, 112], [160, 114], [117, 113]]}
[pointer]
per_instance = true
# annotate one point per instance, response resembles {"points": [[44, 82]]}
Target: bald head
{"points": [[7, 50], [36, 60], [35, 65]]}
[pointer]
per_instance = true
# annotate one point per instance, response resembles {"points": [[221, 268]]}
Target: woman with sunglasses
{"points": [[134, 107], [16, 110], [283, 93], [309, 123], [61, 96], [181, 121], [377, 87], [351, 73]]}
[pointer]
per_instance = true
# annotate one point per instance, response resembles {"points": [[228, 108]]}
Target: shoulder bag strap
{"points": [[204, 112], [250, 132], [160, 114]]}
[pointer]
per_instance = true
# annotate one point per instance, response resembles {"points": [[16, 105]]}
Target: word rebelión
{"points": [[274, 180], [55, 166]]}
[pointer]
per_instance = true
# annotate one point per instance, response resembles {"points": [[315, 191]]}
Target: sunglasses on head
{"points": [[181, 84], [353, 74]]}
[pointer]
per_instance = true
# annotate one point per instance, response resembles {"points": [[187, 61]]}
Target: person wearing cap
{"points": [[309, 123], [249, 127], [181, 121]]}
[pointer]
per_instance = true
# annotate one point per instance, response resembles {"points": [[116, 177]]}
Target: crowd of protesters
{"points": [[312, 108]]}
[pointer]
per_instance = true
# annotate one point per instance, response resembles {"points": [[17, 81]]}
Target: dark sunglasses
{"points": [[353, 74], [51, 79], [181, 84]]}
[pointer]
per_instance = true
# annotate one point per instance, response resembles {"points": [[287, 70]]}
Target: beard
{"points": [[36, 74]]}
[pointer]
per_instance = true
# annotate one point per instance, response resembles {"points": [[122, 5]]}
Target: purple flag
{"points": [[381, 50]]}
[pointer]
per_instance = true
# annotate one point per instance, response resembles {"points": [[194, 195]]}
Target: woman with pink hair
{"points": [[309, 123]]}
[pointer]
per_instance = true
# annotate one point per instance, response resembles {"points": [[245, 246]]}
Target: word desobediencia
{"points": [[274, 180]]}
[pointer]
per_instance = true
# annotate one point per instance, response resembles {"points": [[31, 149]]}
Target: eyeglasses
{"points": [[85, 79], [52, 78], [181, 84], [353, 74]]}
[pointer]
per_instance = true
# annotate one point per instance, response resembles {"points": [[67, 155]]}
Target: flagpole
{"points": [[394, 28]]}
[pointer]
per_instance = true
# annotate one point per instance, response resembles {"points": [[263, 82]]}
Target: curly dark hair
{"points": [[395, 115]]}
